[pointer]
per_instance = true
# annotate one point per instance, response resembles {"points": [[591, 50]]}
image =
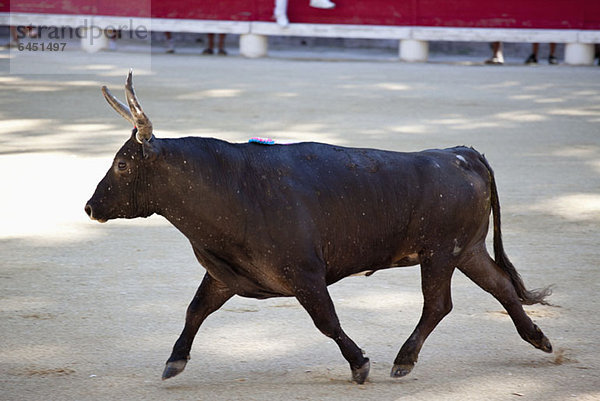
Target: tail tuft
{"points": [[527, 297]]}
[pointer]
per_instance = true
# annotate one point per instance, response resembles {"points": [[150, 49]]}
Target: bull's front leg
{"points": [[211, 295]]}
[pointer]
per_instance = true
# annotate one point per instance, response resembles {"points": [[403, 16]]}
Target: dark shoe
{"points": [[222, 52], [552, 60], [531, 59], [208, 51]]}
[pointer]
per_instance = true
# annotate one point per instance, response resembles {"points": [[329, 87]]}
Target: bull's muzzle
{"points": [[90, 212]]}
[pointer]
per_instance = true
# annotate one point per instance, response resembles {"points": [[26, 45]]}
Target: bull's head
{"points": [[123, 192]]}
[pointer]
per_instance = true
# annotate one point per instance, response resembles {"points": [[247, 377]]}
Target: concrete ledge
{"points": [[588, 37], [108, 21], [44, 19], [495, 34], [199, 26], [333, 30]]}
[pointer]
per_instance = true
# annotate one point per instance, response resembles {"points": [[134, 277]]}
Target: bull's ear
{"points": [[150, 149]]}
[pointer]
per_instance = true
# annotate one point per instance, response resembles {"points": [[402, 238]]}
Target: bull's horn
{"points": [[142, 122], [117, 105]]}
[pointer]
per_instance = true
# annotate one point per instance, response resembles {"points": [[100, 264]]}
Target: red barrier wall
{"points": [[540, 14]]}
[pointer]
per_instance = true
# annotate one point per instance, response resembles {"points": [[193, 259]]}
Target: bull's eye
{"points": [[122, 166]]}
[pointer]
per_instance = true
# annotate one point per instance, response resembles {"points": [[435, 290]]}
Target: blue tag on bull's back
{"points": [[262, 141], [269, 141]]}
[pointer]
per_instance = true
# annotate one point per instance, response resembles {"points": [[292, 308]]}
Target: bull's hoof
{"points": [[173, 369], [545, 345], [401, 370], [541, 341], [360, 375]]}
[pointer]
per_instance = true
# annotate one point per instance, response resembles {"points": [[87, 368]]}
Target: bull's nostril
{"points": [[88, 210]]}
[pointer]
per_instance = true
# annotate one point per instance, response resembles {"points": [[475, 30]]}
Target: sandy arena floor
{"points": [[90, 311]]}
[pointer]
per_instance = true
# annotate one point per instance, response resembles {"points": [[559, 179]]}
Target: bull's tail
{"points": [[527, 297]]}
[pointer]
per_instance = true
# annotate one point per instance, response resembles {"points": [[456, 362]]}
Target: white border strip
{"points": [[107, 21], [318, 30], [333, 30], [495, 34]]}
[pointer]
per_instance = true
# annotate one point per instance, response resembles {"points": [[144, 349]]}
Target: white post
{"points": [[413, 50], [579, 53], [93, 39], [253, 46]]}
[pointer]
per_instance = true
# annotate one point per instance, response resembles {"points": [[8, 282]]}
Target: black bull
{"points": [[288, 220]]}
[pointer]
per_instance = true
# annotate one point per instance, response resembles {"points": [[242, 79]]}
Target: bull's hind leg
{"points": [[210, 296], [436, 276], [311, 291], [481, 268]]}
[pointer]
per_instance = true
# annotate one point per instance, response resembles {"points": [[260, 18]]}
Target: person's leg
{"points": [[221, 45], [552, 58], [13, 34], [280, 12], [170, 45], [326, 4], [14, 37], [497, 57], [532, 59], [211, 44]]}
